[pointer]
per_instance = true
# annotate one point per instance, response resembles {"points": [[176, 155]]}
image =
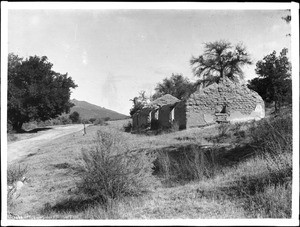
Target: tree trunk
{"points": [[277, 100], [17, 126]]}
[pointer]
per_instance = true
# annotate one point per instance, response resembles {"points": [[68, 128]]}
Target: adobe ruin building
{"points": [[225, 101], [160, 110]]}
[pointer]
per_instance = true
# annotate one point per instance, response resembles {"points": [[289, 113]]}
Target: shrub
{"points": [[92, 120], [65, 120], [106, 119], [99, 121], [127, 127], [14, 173], [223, 129], [61, 120], [30, 125], [109, 171]]}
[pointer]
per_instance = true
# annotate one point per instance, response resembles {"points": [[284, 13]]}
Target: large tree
{"points": [[176, 85], [274, 79], [35, 91], [220, 59]]}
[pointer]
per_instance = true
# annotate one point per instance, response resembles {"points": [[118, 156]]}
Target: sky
{"points": [[112, 54]]}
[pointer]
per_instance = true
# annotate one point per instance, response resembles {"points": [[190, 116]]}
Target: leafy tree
{"points": [[74, 117], [35, 91], [274, 82], [220, 59], [138, 102], [176, 85]]}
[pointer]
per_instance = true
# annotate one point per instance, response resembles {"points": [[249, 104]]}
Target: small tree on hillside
{"points": [[220, 59], [274, 82], [75, 118], [35, 91], [176, 85]]}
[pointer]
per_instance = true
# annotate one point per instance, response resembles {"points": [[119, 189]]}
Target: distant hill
{"points": [[87, 111]]}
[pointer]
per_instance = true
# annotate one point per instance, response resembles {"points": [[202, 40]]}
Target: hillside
{"points": [[87, 110], [199, 173]]}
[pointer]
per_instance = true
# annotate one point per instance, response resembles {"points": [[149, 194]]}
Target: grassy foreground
{"points": [[223, 171]]}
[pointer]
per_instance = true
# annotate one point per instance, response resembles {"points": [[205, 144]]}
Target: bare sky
{"points": [[114, 54]]}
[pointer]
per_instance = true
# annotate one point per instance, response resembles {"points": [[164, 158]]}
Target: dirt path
{"points": [[22, 148]]}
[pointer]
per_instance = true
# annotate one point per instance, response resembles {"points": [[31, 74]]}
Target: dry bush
{"points": [[223, 129], [110, 171], [14, 173]]}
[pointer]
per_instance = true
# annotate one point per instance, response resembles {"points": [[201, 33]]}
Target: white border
{"points": [[295, 74], [4, 52], [149, 5], [179, 6]]}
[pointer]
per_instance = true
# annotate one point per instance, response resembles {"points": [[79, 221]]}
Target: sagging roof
{"points": [[157, 103], [164, 100]]}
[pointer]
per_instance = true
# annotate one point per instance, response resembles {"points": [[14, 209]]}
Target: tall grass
{"points": [[272, 135], [186, 164], [263, 183], [14, 173], [108, 171]]}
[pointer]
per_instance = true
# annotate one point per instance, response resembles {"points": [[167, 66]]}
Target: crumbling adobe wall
{"points": [[180, 114], [135, 121], [164, 116], [144, 119], [240, 102]]}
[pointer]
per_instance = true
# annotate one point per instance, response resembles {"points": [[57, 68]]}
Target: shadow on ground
{"points": [[74, 204], [34, 130]]}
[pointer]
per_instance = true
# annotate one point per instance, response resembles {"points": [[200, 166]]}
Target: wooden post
{"points": [[84, 131]]}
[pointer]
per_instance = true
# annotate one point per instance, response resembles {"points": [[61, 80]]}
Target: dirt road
{"points": [[19, 149]]}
